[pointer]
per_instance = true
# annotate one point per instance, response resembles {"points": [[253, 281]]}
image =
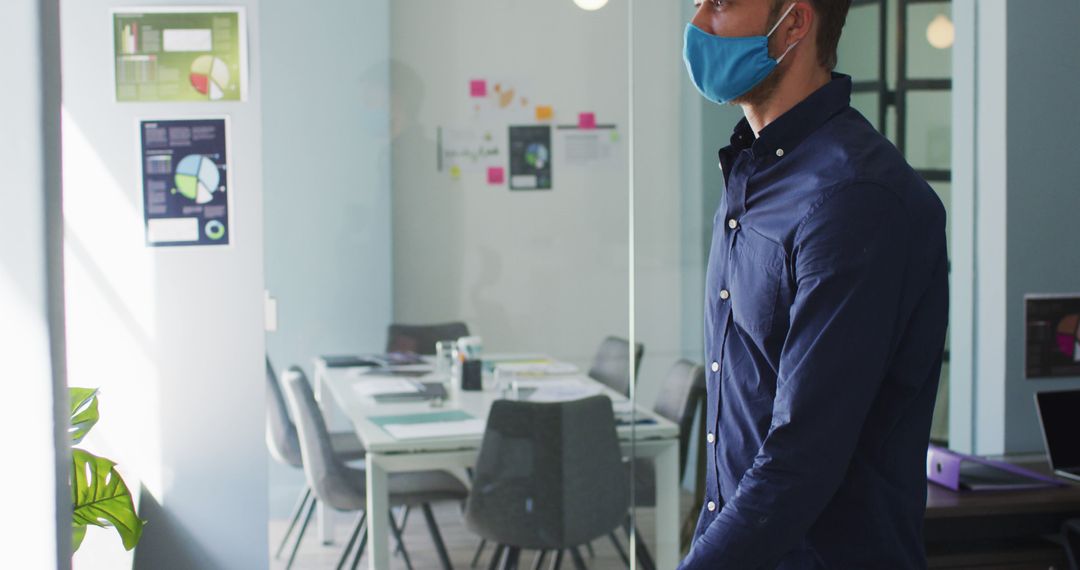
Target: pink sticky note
{"points": [[478, 88], [496, 175], [586, 120]]}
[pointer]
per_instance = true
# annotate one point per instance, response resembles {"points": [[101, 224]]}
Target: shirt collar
{"points": [[796, 124]]}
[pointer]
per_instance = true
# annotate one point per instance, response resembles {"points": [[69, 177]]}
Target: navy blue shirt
{"points": [[825, 314]]}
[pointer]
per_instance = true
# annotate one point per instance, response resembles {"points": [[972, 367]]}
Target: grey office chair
{"points": [[549, 477], [284, 447], [342, 488], [1070, 536], [678, 401], [421, 339], [611, 365]]}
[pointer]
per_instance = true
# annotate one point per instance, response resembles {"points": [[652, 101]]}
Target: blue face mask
{"points": [[722, 68]]}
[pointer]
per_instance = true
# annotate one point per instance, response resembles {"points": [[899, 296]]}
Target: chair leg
{"points": [[404, 519], [359, 550], [352, 540], [496, 557], [479, 550], [401, 543], [539, 560], [436, 537], [579, 562], [556, 563], [618, 548], [299, 537], [301, 502], [512, 557], [592, 553]]}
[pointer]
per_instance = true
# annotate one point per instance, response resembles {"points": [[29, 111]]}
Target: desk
{"points": [[1001, 529], [385, 454]]}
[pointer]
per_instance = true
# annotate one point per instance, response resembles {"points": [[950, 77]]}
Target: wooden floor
{"points": [[460, 543]]}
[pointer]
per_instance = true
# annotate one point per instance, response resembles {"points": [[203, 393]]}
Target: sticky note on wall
{"points": [[478, 88], [496, 175], [544, 112], [586, 121]]}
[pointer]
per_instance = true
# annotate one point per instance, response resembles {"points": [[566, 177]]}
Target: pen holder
{"points": [[471, 375]]}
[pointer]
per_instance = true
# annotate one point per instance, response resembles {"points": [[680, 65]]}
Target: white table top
{"points": [[359, 410]]}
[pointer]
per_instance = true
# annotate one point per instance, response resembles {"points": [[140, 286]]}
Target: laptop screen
{"points": [[1059, 413]]}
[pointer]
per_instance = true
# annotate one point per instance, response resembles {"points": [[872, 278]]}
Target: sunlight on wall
{"points": [[109, 290]]}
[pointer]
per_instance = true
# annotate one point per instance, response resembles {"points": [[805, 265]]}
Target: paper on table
{"points": [[376, 386], [562, 390], [537, 368], [435, 429]]}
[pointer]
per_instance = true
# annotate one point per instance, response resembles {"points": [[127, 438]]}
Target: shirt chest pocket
{"points": [[757, 269]]}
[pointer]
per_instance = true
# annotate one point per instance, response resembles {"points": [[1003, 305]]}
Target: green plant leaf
{"points": [[100, 497], [84, 412], [78, 531]]}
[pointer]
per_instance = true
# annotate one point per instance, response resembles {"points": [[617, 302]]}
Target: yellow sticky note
{"points": [[455, 172], [544, 112]]}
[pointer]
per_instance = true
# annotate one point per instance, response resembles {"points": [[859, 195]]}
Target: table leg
{"points": [[323, 521], [378, 501], [666, 465]]}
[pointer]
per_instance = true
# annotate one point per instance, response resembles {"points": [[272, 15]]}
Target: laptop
{"points": [[1059, 417]]}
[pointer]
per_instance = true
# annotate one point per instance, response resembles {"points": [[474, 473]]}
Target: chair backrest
{"points": [[611, 365], [678, 401], [549, 475], [325, 473], [421, 339], [281, 436]]}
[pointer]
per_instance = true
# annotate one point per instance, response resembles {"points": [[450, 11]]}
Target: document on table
{"points": [[427, 425], [537, 368], [378, 386], [560, 390]]}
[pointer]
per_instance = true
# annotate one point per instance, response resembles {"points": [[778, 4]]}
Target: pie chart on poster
{"points": [[197, 178], [210, 76], [1068, 337]]}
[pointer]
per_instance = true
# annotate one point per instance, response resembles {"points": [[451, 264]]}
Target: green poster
{"points": [[173, 54]]}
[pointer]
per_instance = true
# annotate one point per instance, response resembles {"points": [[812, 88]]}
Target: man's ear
{"points": [[797, 26]]}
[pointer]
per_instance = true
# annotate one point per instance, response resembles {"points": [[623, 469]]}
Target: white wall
{"points": [[528, 270], [37, 529], [174, 337], [327, 186]]}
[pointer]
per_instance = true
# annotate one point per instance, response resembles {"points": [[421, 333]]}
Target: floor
{"points": [[460, 543]]}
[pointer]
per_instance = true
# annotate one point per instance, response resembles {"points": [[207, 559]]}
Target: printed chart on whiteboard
{"points": [[185, 182], [176, 55]]}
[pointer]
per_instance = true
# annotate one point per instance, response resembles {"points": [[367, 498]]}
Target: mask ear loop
{"points": [[777, 25]]}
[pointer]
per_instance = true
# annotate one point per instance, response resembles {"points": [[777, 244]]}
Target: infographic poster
{"points": [[185, 180], [177, 54], [1053, 336], [530, 158]]}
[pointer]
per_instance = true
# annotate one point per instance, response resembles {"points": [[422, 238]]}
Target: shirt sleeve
{"points": [[849, 261]]}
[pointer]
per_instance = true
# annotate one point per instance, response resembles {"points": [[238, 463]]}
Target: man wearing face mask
{"points": [[826, 307]]}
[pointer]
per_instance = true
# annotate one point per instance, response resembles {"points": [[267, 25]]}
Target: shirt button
{"points": [[725, 294], [711, 438], [732, 223], [715, 366], [711, 506], [779, 152]]}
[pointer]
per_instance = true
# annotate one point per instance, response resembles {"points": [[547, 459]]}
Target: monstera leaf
{"points": [[100, 497], [84, 412]]}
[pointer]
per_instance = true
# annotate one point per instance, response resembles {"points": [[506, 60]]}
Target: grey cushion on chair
{"points": [[421, 339], [281, 435], [611, 364], [550, 476], [341, 487], [678, 401]]}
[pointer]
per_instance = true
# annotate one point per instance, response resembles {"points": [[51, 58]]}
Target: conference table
{"points": [[648, 436]]}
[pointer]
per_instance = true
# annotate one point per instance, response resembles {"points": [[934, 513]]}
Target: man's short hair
{"points": [[831, 16]]}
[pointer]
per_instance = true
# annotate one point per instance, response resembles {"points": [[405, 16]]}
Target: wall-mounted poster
{"points": [[185, 181], [530, 158], [1052, 336], [180, 54]]}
